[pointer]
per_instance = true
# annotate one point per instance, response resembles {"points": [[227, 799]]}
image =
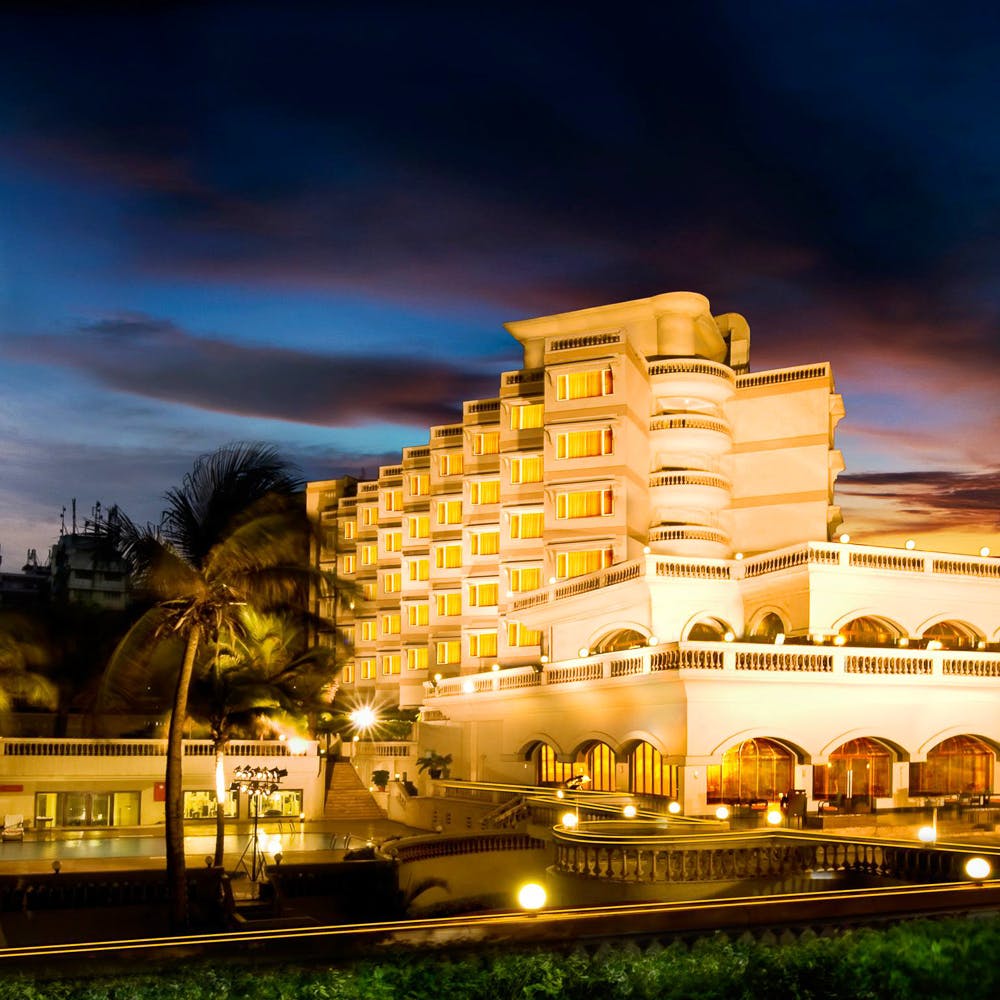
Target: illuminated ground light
{"points": [[774, 817], [531, 896], [674, 808], [569, 820], [977, 869], [722, 812], [630, 812], [927, 834]]}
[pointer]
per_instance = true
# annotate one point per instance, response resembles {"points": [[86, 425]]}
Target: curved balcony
{"points": [[704, 541], [679, 434], [686, 490], [691, 378]]}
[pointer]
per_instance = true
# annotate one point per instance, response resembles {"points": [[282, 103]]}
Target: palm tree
{"points": [[22, 653], [263, 676], [234, 533]]}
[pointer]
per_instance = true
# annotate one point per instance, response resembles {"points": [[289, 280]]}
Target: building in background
{"points": [[625, 564]]}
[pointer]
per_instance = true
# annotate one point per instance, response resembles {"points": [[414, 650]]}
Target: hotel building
{"points": [[626, 564]]}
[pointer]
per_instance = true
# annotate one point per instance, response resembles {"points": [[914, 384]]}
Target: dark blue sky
{"points": [[307, 223]]}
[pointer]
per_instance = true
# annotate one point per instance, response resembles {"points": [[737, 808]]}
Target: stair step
{"points": [[347, 797]]}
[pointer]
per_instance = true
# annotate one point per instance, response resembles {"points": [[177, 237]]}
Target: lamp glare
{"points": [[531, 896], [977, 869]]}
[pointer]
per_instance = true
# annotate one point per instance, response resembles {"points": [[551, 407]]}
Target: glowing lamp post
{"points": [[531, 897], [978, 869], [256, 782]]}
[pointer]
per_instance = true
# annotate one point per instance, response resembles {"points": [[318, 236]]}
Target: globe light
{"points": [[653, 640], [729, 636], [569, 820], [911, 544], [774, 817], [630, 811], [583, 651], [674, 808], [845, 538], [531, 896], [495, 667], [560, 794], [722, 812], [468, 687], [779, 639], [927, 834], [738, 555], [977, 869], [839, 640], [984, 551]]}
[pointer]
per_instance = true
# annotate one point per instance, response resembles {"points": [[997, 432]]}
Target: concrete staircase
{"points": [[347, 797]]}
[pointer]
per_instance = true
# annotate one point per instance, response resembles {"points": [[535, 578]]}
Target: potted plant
{"points": [[434, 763], [380, 779]]}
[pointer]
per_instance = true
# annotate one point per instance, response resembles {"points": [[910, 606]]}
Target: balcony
{"points": [[687, 490], [690, 378], [680, 434]]}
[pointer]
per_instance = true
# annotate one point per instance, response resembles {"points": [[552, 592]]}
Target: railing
{"points": [[483, 406], [691, 366], [689, 479], [590, 340], [728, 656], [368, 487], [420, 849], [582, 584], [449, 431], [519, 378], [142, 748], [390, 471], [421, 451], [733, 857], [782, 375], [385, 748], [689, 533], [675, 423]]}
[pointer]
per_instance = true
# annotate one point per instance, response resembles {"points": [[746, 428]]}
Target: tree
{"points": [[262, 675], [234, 533], [22, 654]]}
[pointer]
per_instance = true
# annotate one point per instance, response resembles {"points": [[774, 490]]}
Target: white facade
{"points": [[623, 565]]}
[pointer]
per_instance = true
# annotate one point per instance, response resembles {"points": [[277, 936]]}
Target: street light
{"points": [[256, 782]]}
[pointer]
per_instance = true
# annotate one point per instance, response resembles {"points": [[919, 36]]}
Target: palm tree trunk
{"points": [[220, 801], [176, 873]]}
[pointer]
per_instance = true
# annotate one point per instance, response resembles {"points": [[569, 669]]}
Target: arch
{"points": [[766, 623], [757, 768], [860, 768], [897, 749], [706, 627], [621, 638], [801, 755], [952, 634], [649, 773], [963, 764], [866, 629], [549, 770]]}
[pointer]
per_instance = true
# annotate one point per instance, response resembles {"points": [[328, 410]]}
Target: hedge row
{"points": [[927, 959]]}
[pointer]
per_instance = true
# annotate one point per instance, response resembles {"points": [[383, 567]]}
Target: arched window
{"points": [[708, 630], [768, 627], [600, 763], [860, 767], [626, 638], [869, 631], [959, 765], [753, 769], [548, 770], [952, 635], [649, 775]]}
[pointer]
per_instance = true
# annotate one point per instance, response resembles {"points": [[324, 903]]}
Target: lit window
{"points": [[448, 651], [367, 667], [525, 578], [419, 484], [416, 658], [390, 664], [419, 526], [583, 444], [527, 524], [483, 595], [484, 543], [390, 623], [483, 644], [417, 614], [393, 499], [484, 491], [448, 556], [420, 569], [347, 674], [448, 605], [527, 469], [451, 464], [350, 529], [449, 512], [585, 503], [585, 384], [526, 416], [368, 591], [486, 443], [365, 631], [392, 582], [518, 635], [348, 564], [393, 541], [583, 561], [369, 554], [369, 516]]}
